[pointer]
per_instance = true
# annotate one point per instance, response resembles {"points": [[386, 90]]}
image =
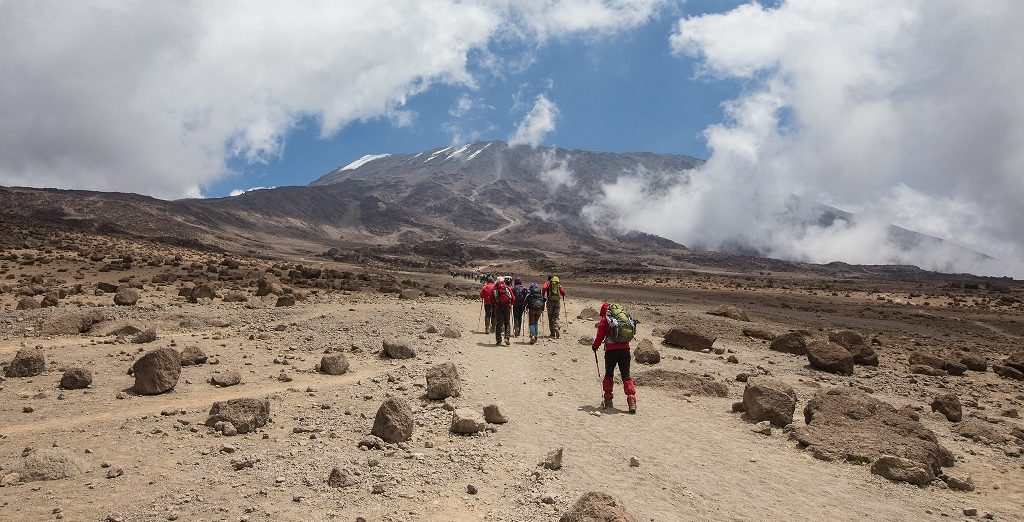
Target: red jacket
{"points": [[602, 332], [494, 295], [487, 293]]}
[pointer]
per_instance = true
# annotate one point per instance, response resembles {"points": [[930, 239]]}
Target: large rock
{"points": [[589, 314], [76, 379], [794, 343], [49, 464], [394, 421], [830, 357], [245, 414], [28, 362], [1007, 372], [494, 415], [410, 294], [981, 432], [157, 371], [974, 362], [731, 312], [854, 343], [333, 364], [597, 507], [685, 382], [71, 324], [902, 470], [225, 379], [949, 406], [769, 400], [126, 297], [1015, 361], [443, 382], [398, 349], [847, 424], [466, 421], [690, 337], [235, 296], [927, 359], [28, 303], [342, 477], [760, 333], [285, 300], [192, 356], [266, 287], [201, 291], [646, 353]]}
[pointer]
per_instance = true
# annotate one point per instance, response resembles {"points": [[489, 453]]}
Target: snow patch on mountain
{"points": [[363, 161]]}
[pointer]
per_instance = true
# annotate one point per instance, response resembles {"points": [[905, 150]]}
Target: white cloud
{"points": [[908, 112], [239, 192], [555, 172], [157, 97], [537, 123]]}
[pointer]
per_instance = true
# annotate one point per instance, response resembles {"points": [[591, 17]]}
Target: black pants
{"points": [[501, 322], [517, 319], [488, 316], [613, 358]]}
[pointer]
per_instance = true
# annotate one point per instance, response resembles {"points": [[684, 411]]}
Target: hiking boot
{"points": [[607, 403], [507, 342], [533, 340], [631, 400]]}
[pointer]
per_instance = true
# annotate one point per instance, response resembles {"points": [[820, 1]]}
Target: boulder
{"points": [[1007, 372], [854, 343], [266, 287], [685, 382], [847, 424], [760, 333], [28, 362], [646, 353], [118, 328], [981, 432], [394, 421], [235, 296], [597, 507], [245, 414], [690, 337], [192, 356], [923, 369], [1015, 361], [902, 470], [48, 464], [494, 415], [201, 291], [49, 300], [954, 368], [146, 336], [333, 364], [769, 400], [398, 349], [443, 382], [959, 482], [589, 314], [927, 359], [553, 460], [106, 287], [126, 297], [342, 477], [157, 371], [830, 357], [949, 406], [28, 303], [285, 300], [451, 333], [729, 311], [974, 362], [794, 343], [466, 421], [76, 379], [71, 324], [225, 379], [410, 294]]}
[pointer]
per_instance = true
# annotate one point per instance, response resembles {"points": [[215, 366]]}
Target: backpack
{"points": [[621, 326], [553, 293], [536, 301], [502, 295], [522, 295]]}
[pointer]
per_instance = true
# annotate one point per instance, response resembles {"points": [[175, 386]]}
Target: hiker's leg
{"points": [[488, 314], [608, 384]]}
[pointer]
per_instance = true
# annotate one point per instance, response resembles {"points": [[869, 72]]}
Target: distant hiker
{"points": [[487, 294], [535, 307], [616, 330], [522, 296], [553, 294], [503, 300]]}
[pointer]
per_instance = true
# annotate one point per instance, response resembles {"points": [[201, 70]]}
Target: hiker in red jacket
{"points": [[503, 300], [487, 294], [616, 353]]}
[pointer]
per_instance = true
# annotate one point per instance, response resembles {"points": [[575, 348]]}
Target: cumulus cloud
{"points": [[908, 112], [537, 123], [157, 98], [555, 172]]}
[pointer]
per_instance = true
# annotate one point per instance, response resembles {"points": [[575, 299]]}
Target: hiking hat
{"points": [[518, 281]]}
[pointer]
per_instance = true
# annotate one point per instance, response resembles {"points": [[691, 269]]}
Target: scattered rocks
{"points": [[157, 371], [830, 357], [244, 414], [494, 415], [553, 460], [225, 379], [334, 364], [76, 379], [729, 311], [28, 362], [398, 349], [597, 507], [443, 382], [126, 297], [690, 337], [646, 353], [769, 400], [949, 406], [466, 421], [394, 422]]}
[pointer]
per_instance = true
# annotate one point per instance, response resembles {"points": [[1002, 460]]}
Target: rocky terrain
{"points": [[146, 380]]}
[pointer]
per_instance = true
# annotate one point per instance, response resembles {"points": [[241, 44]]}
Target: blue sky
{"points": [[625, 92]]}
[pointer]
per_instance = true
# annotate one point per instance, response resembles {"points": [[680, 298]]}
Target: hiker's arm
{"points": [[602, 331]]}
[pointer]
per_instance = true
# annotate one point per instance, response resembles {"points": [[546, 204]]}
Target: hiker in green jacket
{"points": [[554, 292]]}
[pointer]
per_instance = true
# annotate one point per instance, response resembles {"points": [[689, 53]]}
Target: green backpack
{"points": [[621, 326]]}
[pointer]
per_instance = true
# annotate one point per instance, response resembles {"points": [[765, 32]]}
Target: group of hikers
{"points": [[507, 299]]}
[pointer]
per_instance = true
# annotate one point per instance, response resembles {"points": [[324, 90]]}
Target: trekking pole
{"points": [[598, 366], [480, 317]]}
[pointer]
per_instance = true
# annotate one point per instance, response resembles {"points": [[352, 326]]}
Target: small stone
{"points": [[634, 462], [471, 489]]}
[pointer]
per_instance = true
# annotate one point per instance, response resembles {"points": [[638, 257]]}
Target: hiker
{"points": [[616, 330], [553, 294], [522, 296], [487, 294], [535, 306], [502, 300]]}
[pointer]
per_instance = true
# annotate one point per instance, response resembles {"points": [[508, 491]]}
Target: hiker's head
{"points": [[490, 279], [550, 276], [604, 307], [534, 287], [554, 279], [500, 283], [519, 281]]}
